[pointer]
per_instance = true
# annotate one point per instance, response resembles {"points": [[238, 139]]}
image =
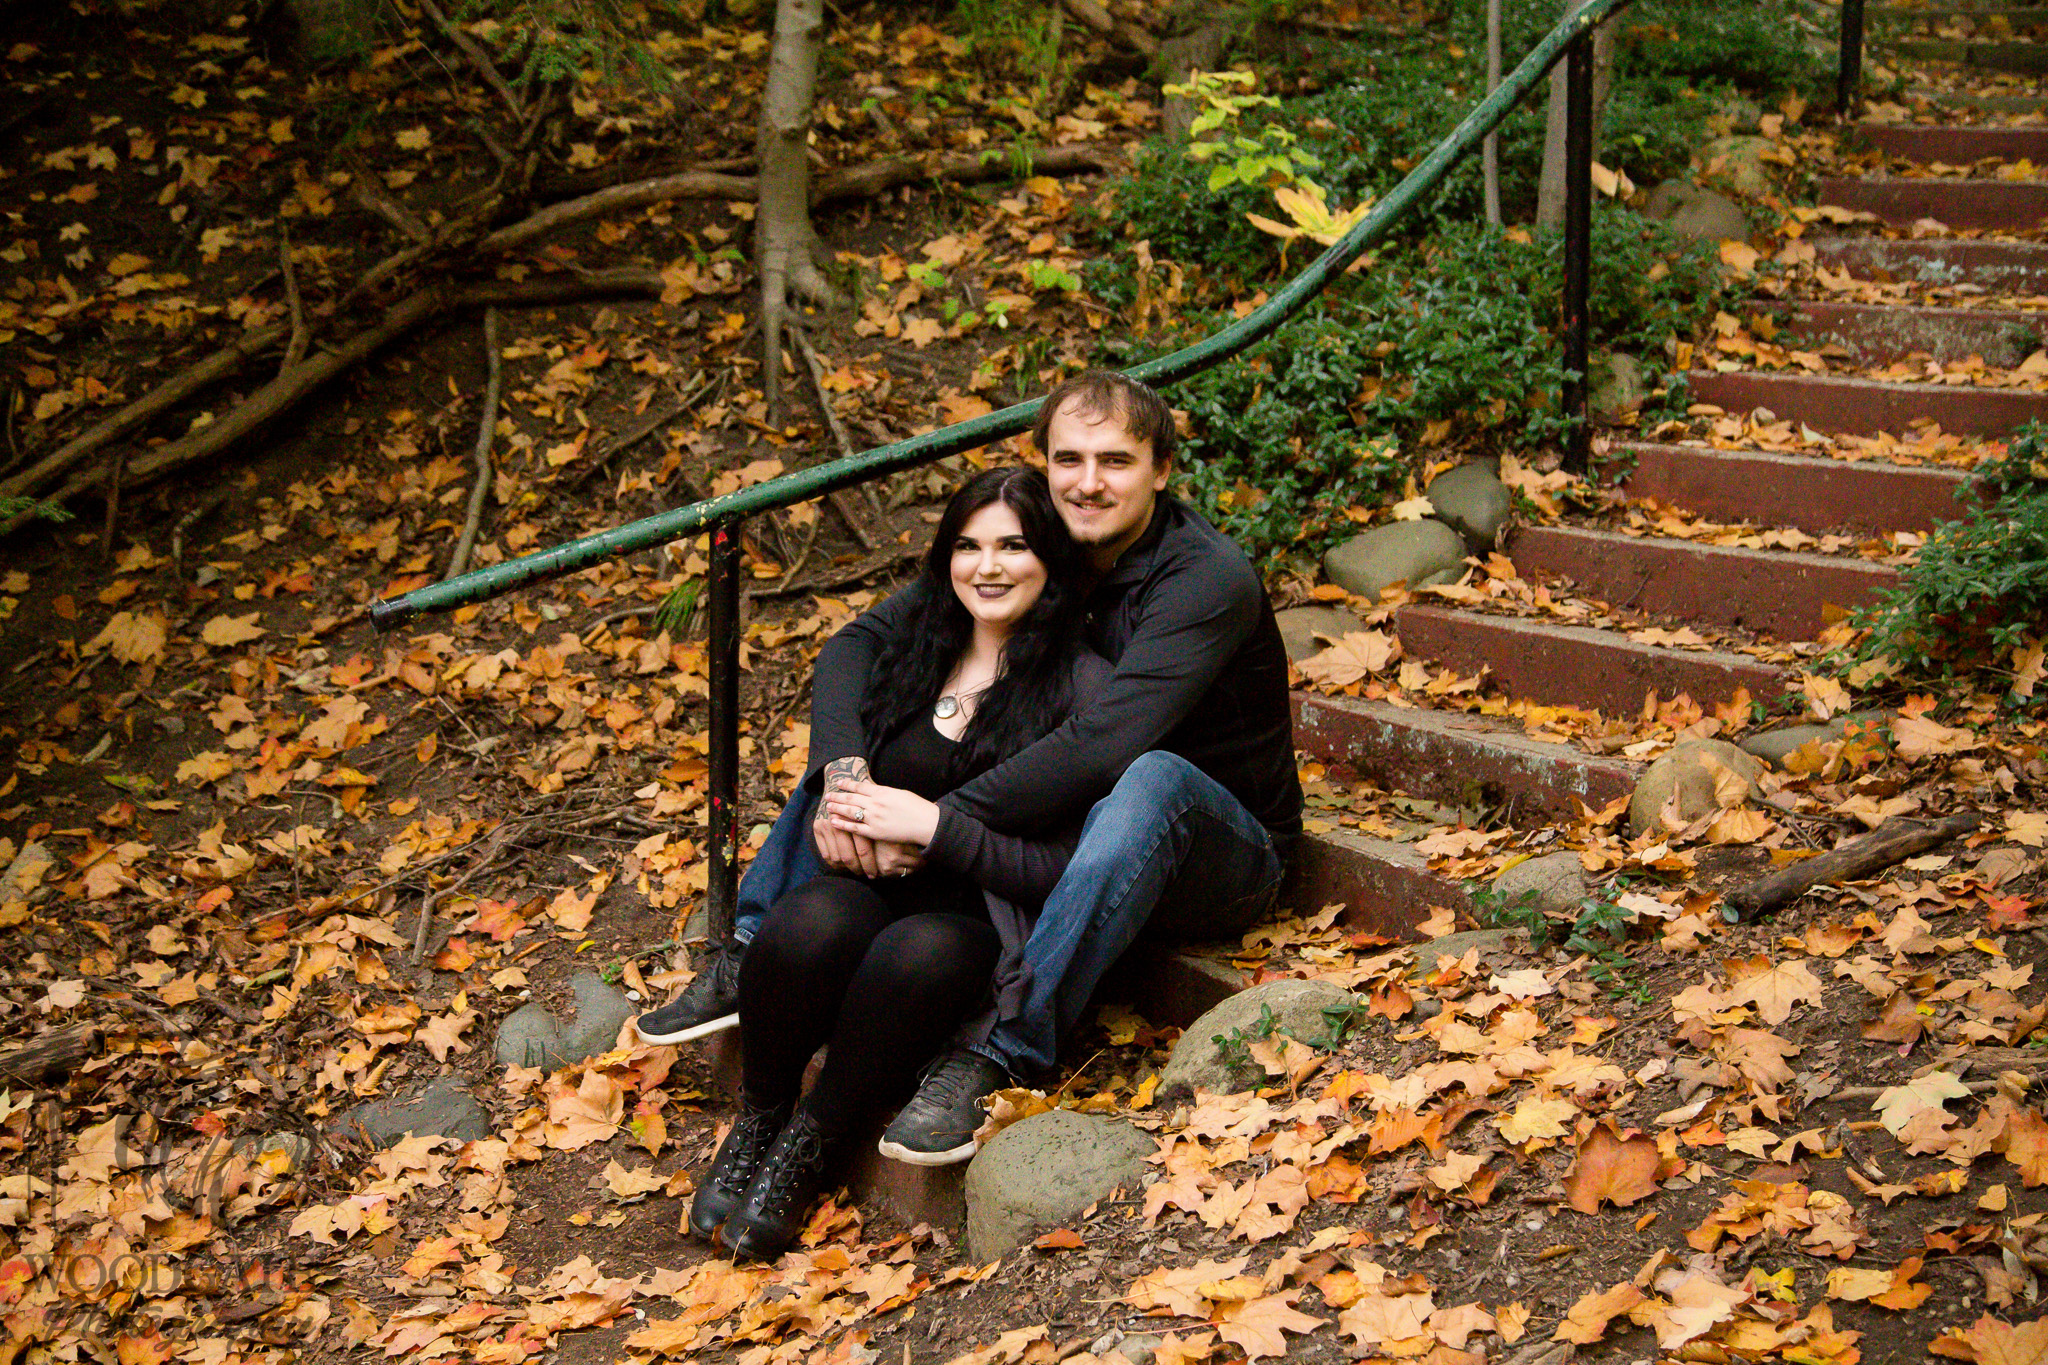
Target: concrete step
{"points": [[2002, 267], [1863, 406], [1983, 56], [1992, 103], [1386, 888], [1877, 334], [1455, 758], [1772, 592], [1557, 664], [1954, 145], [1813, 494], [1988, 205]]}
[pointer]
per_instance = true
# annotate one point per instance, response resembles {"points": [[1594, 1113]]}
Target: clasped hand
{"points": [[862, 847], [886, 814]]}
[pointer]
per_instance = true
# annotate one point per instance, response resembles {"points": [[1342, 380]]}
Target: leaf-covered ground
{"points": [[268, 866]]}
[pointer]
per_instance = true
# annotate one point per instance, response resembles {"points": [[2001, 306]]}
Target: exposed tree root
{"points": [[486, 432]]}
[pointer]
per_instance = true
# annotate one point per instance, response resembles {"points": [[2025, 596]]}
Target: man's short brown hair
{"points": [[1102, 394]]}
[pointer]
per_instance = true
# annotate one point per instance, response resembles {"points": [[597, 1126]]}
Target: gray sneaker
{"points": [[937, 1127], [709, 1003]]}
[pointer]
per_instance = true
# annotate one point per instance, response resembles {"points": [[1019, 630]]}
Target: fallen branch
{"points": [[846, 580], [492, 851], [222, 363], [288, 389], [1892, 842], [295, 349], [56, 1053], [478, 58], [617, 199], [486, 430], [837, 497], [877, 177]]}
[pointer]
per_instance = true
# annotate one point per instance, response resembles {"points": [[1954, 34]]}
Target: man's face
{"points": [[1104, 481]]}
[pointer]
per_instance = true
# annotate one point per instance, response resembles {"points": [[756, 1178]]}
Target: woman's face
{"points": [[995, 574]]}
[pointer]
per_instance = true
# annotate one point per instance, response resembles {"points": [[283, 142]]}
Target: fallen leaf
{"points": [[1612, 1168]]}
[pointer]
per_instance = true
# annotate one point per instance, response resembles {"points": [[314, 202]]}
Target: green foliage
{"points": [[1599, 931], [1264, 155], [553, 42], [1979, 588], [1010, 36], [10, 508], [674, 612], [1234, 1047]]}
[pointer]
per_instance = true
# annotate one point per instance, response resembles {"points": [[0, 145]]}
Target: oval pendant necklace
{"points": [[945, 708]]}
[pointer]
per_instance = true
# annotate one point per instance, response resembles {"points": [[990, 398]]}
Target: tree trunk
{"points": [[785, 244], [1489, 150], [1550, 189]]}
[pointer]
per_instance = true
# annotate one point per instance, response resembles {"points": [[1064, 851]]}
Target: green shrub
{"points": [[1979, 588], [1453, 338]]}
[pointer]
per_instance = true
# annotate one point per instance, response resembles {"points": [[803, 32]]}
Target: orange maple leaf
{"points": [[1617, 1168]]}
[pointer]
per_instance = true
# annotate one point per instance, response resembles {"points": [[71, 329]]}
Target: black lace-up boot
{"points": [[739, 1158]]}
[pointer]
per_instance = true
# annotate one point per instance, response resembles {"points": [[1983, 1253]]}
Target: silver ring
{"points": [[860, 817]]}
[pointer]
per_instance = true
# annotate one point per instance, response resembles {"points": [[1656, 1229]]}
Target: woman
{"points": [[885, 970]]}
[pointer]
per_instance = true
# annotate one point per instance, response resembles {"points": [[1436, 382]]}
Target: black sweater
{"points": [[1200, 671]]}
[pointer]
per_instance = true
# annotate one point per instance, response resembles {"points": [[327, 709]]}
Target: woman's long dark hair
{"points": [[1033, 689]]}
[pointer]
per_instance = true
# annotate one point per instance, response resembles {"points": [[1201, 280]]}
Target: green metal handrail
{"points": [[805, 484]]}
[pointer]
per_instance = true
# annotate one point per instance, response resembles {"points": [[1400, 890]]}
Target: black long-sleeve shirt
{"points": [[1200, 671]]}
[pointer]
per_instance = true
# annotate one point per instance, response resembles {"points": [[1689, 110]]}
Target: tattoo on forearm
{"points": [[841, 772]]}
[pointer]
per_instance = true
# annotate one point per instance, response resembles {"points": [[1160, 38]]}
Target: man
{"points": [[1186, 761]]}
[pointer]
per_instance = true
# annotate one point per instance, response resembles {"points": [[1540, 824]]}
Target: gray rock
{"points": [[531, 1036], [1617, 385], [1696, 214], [1737, 110], [1040, 1173], [1419, 553], [445, 1108], [296, 1148], [1472, 501], [1684, 773], [1557, 879], [1139, 1348], [1774, 746], [1738, 163], [1197, 1063], [24, 876], [1487, 941], [1300, 627]]}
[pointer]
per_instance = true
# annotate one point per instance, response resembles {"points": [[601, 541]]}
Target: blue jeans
{"points": [[1168, 851], [787, 859]]}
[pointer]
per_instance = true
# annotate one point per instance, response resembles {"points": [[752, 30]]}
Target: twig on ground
{"points": [[846, 580], [1892, 842], [486, 431], [478, 58], [816, 368], [165, 396], [295, 349], [500, 841], [370, 195], [113, 505]]}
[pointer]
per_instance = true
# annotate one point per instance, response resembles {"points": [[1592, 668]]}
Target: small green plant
{"points": [[1599, 932], [1976, 598], [1234, 1047], [10, 508], [1494, 909], [1238, 152], [1050, 275], [677, 607]]}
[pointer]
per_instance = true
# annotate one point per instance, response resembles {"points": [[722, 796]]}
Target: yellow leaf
{"points": [[226, 630], [414, 139]]}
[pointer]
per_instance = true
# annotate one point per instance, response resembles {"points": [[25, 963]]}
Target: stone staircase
{"points": [[1993, 253]]}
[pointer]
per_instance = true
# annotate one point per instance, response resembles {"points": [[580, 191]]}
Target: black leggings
{"points": [[885, 986]]}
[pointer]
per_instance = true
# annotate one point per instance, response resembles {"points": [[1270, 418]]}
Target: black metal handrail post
{"points": [[1578, 249], [1849, 79], [721, 891]]}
